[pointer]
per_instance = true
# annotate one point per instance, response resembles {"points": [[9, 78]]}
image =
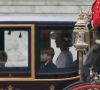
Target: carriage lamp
{"points": [[80, 37]]}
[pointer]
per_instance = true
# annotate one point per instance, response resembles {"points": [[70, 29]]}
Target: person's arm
{"points": [[62, 61], [95, 23]]}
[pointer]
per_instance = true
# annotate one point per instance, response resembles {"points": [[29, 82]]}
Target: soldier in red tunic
{"points": [[94, 54]]}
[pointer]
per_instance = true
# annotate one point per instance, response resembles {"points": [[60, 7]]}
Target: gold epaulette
{"points": [[91, 73]]}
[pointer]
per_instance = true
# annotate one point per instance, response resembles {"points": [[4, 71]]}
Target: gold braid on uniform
{"points": [[92, 26]]}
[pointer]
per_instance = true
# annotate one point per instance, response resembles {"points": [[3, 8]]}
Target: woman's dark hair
{"points": [[67, 38]]}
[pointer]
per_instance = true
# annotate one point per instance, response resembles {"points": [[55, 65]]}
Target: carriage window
{"points": [[16, 47], [57, 50], [13, 48]]}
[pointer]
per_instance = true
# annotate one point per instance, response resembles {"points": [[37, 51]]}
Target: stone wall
{"points": [[58, 8]]}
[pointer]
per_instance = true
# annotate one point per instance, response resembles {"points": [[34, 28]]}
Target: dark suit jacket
{"points": [[50, 65], [74, 64]]}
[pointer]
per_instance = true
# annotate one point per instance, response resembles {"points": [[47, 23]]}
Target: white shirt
{"points": [[65, 59], [46, 63]]}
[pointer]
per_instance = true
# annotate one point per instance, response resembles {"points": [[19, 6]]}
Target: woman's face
{"points": [[58, 41]]}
